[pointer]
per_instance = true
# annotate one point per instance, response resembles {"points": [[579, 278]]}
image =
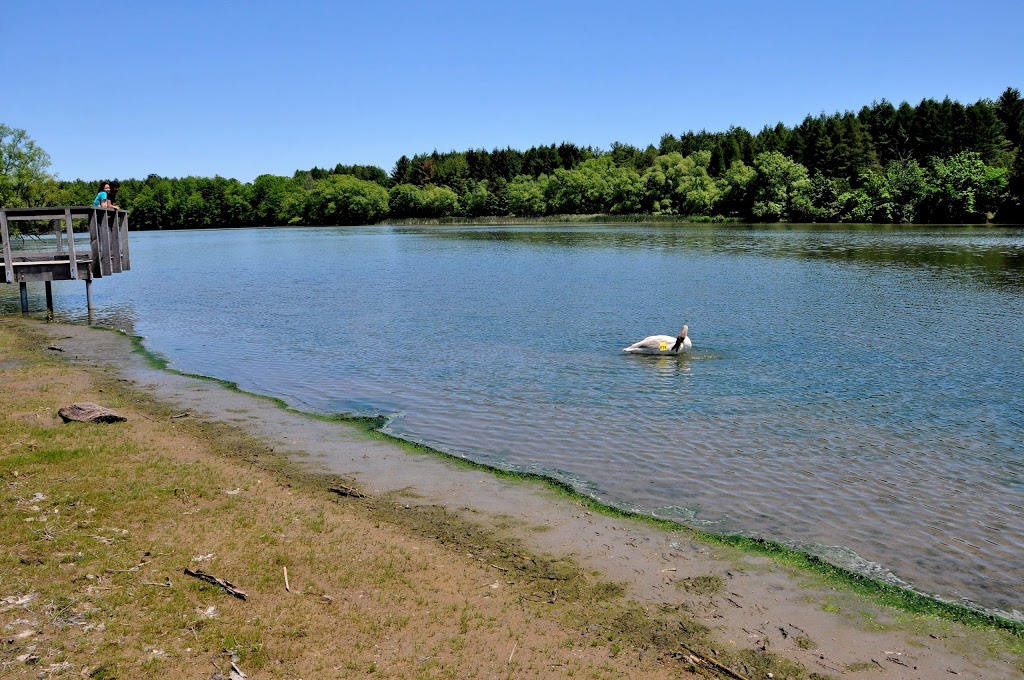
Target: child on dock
{"points": [[101, 200]]}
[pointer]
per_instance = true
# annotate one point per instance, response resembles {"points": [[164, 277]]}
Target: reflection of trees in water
{"points": [[992, 256]]}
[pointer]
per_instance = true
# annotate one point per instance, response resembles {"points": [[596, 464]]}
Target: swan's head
{"points": [[683, 332]]}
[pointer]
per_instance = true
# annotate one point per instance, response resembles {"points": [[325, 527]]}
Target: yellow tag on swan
{"points": [[663, 345]]}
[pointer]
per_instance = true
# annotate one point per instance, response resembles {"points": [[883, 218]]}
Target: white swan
{"points": [[662, 344]]}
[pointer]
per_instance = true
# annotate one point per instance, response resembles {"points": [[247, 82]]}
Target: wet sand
{"points": [[764, 605]]}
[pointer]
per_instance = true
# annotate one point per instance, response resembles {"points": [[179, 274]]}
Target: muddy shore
{"points": [[762, 604]]}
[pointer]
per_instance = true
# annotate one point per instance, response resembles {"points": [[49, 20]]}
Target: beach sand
{"points": [[750, 604]]}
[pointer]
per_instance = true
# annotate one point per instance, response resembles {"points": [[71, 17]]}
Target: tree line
{"points": [[936, 162]]}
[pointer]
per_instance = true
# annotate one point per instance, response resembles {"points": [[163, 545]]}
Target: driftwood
{"points": [[711, 662], [88, 412], [209, 578], [342, 490]]}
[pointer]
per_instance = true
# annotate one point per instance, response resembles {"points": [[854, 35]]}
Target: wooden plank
{"points": [[115, 243], [48, 213], [72, 260], [105, 243], [5, 235], [126, 261], [63, 264], [94, 243], [29, 276], [34, 218]]}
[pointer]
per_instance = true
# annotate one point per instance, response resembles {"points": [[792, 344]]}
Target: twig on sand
{"points": [[223, 583], [513, 651], [166, 584], [343, 490], [711, 662], [138, 566], [286, 586]]}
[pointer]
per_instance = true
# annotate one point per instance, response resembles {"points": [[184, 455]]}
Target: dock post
{"points": [[88, 294], [49, 297], [24, 297]]}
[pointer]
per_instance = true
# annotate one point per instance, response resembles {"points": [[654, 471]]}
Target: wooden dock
{"points": [[61, 258]]}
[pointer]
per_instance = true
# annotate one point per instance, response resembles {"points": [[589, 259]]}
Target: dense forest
{"points": [[936, 162]]}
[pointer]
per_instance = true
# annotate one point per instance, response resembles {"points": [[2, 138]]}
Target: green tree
{"points": [[897, 193], [24, 179], [855, 206], [626, 189], [345, 200], [525, 196], [965, 188], [146, 211], [681, 185], [1010, 109], [400, 173], [824, 195], [270, 194], [478, 200], [781, 188], [439, 201], [737, 189], [583, 190], [405, 200]]}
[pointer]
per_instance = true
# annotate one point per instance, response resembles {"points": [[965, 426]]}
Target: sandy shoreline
{"points": [[764, 604]]}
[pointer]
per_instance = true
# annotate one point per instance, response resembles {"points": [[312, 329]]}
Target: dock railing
{"points": [[38, 257]]}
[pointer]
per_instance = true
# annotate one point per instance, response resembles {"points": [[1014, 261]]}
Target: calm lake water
{"points": [[858, 392]]}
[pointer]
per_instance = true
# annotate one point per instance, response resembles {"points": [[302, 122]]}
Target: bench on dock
{"points": [[62, 259]]}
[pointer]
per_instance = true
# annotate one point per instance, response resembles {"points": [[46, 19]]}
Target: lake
{"points": [[857, 392]]}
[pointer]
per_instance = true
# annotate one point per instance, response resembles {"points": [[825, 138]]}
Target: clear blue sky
{"points": [[238, 89]]}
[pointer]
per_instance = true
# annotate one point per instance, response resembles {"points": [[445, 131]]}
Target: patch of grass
{"points": [[711, 584], [804, 642]]}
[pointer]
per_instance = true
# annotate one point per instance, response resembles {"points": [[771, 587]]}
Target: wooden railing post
{"points": [[115, 243], [6, 235], [94, 243], [126, 260], [105, 243], [72, 260]]}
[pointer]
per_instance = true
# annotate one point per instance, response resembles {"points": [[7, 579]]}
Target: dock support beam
{"points": [[24, 296], [49, 297], [88, 294]]}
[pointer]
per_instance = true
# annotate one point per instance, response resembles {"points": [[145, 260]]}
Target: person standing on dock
{"points": [[101, 200]]}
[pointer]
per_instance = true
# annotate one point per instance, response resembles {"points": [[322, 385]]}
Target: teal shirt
{"points": [[100, 197]]}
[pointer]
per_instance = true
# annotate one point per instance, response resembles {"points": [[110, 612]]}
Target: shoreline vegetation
{"points": [[936, 162], [104, 517]]}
